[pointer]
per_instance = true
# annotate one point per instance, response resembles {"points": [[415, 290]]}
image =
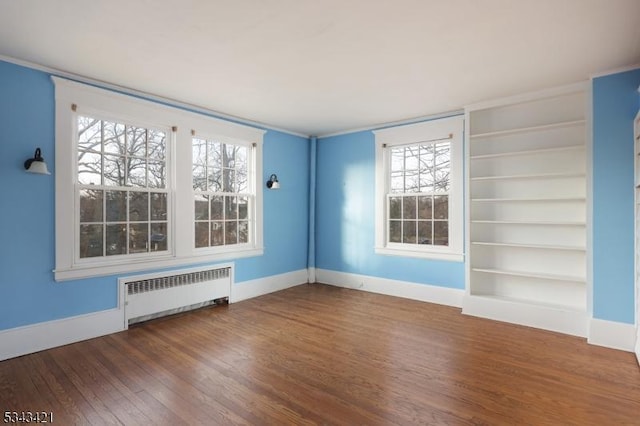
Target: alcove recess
{"points": [[526, 210]]}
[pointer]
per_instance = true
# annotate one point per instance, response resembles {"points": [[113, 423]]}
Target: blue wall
{"points": [[344, 208], [345, 236], [615, 104], [27, 251]]}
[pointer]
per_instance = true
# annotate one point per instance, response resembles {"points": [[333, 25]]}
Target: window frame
{"points": [[253, 189], [73, 99], [450, 129]]}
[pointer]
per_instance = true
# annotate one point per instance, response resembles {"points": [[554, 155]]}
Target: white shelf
{"points": [[523, 304], [526, 222], [531, 176], [535, 200], [560, 125], [553, 277], [529, 152], [526, 206], [529, 246]]}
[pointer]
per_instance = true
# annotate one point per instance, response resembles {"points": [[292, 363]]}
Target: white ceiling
{"points": [[324, 66]]}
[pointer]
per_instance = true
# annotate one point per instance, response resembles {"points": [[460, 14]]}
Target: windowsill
{"points": [[422, 254], [100, 270]]}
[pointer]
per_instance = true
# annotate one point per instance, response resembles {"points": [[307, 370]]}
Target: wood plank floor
{"points": [[315, 354]]}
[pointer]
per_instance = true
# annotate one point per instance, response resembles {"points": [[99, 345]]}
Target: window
{"points": [[419, 190], [223, 199], [121, 192], [131, 177]]}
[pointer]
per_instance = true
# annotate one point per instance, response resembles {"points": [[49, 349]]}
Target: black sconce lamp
{"points": [[36, 164], [273, 183]]}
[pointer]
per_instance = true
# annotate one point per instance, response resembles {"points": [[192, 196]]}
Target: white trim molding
{"points": [[253, 288], [408, 290], [610, 334], [46, 335], [451, 130], [562, 320]]}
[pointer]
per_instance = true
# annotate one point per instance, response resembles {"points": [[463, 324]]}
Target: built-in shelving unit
{"points": [[526, 210]]}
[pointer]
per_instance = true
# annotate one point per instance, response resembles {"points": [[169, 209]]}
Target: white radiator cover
{"points": [[154, 295]]}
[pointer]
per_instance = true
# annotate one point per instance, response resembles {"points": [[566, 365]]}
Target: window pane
{"points": [[409, 207], [157, 174], [199, 151], [116, 205], [137, 172], [113, 138], [90, 241], [139, 238], [395, 231], [426, 180], [442, 167], [395, 207], [411, 181], [215, 154], [409, 232], [229, 156], [136, 141], [156, 144], [138, 206], [202, 207], [202, 234], [441, 207], [91, 206], [159, 236], [424, 232], [200, 178], [89, 134], [116, 239], [397, 182], [89, 168], [217, 233], [411, 157], [230, 208], [243, 231], [242, 169], [228, 180], [441, 233], [217, 209], [243, 207], [397, 159], [158, 206], [214, 179], [230, 233], [425, 207], [114, 170]]}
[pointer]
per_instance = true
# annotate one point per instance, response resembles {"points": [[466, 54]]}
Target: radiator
{"points": [[153, 296]]}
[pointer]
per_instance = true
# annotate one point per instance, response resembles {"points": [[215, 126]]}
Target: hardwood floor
{"points": [[315, 354]]}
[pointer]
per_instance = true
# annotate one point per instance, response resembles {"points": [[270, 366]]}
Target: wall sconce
{"points": [[273, 183], [36, 164]]}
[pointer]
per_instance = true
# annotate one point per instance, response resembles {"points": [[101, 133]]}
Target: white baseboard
{"points": [[545, 317], [311, 275], [638, 346], [408, 290], [37, 337], [253, 288], [615, 335]]}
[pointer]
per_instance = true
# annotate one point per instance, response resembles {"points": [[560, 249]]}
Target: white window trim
{"points": [[181, 250], [412, 134]]}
